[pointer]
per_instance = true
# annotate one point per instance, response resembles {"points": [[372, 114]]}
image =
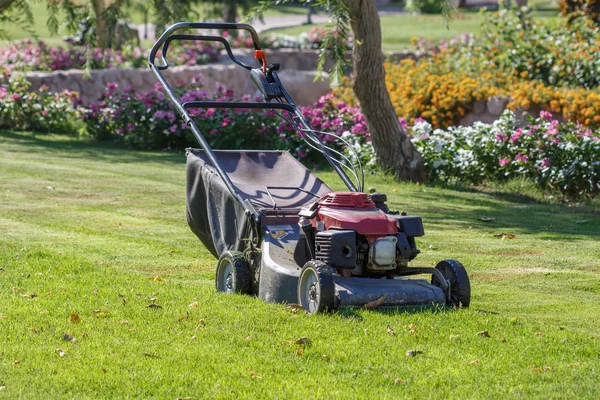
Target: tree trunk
{"points": [[461, 3], [230, 10], [102, 33], [395, 151]]}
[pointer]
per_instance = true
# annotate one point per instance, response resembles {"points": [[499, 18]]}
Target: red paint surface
{"points": [[354, 211]]}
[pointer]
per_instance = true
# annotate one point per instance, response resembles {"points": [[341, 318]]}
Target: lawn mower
{"points": [[278, 231]]}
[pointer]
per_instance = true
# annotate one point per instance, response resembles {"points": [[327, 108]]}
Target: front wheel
{"points": [[233, 274], [456, 276], [316, 290]]}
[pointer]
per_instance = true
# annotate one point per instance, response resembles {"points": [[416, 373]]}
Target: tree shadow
{"points": [[79, 148]]}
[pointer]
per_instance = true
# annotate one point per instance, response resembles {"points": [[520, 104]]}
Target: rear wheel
{"points": [[458, 280], [316, 290], [233, 274]]}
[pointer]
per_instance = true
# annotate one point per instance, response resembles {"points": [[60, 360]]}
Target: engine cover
{"points": [[354, 211], [336, 248]]}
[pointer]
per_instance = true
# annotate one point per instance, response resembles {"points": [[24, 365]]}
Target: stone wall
{"points": [[490, 110], [297, 74]]}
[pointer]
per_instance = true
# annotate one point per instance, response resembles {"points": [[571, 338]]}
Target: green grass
{"points": [[87, 226], [398, 30]]}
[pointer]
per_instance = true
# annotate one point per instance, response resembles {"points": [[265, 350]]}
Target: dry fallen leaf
{"points": [[474, 362], [201, 324], [375, 303], [453, 336], [487, 219], [253, 374], [390, 330], [574, 365], [184, 318], [503, 339], [28, 295], [157, 279], [398, 380], [17, 362], [49, 188], [75, 318], [248, 338], [193, 337], [325, 357], [538, 334], [365, 331], [61, 352], [303, 341], [124, 322], [299, 351], [504, 236], [153, 305], [193, 305], [2, 388], [412, 353], [484, 333], [150, 355]]}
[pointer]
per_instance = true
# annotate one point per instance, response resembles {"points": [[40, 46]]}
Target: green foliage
{"points": [[335, 43], [553, 155], [427, 6], [556, 53], [19, 13], [41, 111]]}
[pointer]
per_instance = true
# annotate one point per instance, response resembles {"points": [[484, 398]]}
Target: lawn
{"points": [[94, 244], [398, 30]]}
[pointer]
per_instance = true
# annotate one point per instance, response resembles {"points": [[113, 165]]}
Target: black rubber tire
{"points": [[234, 265], [323, 285], [460, 286]]}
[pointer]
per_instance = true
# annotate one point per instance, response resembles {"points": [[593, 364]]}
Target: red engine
{"points": [[356, 234], [354, 211]]}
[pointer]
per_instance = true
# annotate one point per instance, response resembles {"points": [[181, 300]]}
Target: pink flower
{"points": [[501, 138], [130, 127], [403, 123], [521, 157], [504, 161], [545, 115], [516, 136], [546, 162], [15, 97], [226, 122]]}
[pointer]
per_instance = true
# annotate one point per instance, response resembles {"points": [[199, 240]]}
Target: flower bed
{"points": [[563, 156], [40, 111], [559, 156], [29, 56], [550, 67], [37, 56]]}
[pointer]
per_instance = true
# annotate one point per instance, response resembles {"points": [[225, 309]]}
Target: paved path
{"points": [[271, 22]]}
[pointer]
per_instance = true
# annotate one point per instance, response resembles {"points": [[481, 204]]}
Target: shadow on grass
{"points": [[74, 148], [352, 313], [456, 207]]}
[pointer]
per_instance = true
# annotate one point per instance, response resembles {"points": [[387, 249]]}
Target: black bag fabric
{"points": [[217, 218]]}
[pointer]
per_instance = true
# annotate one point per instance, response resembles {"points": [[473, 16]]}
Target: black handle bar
{"points": [[202, 38], [165, 38]]}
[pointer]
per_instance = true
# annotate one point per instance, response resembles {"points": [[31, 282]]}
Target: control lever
{"points": [[265, 82]]}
